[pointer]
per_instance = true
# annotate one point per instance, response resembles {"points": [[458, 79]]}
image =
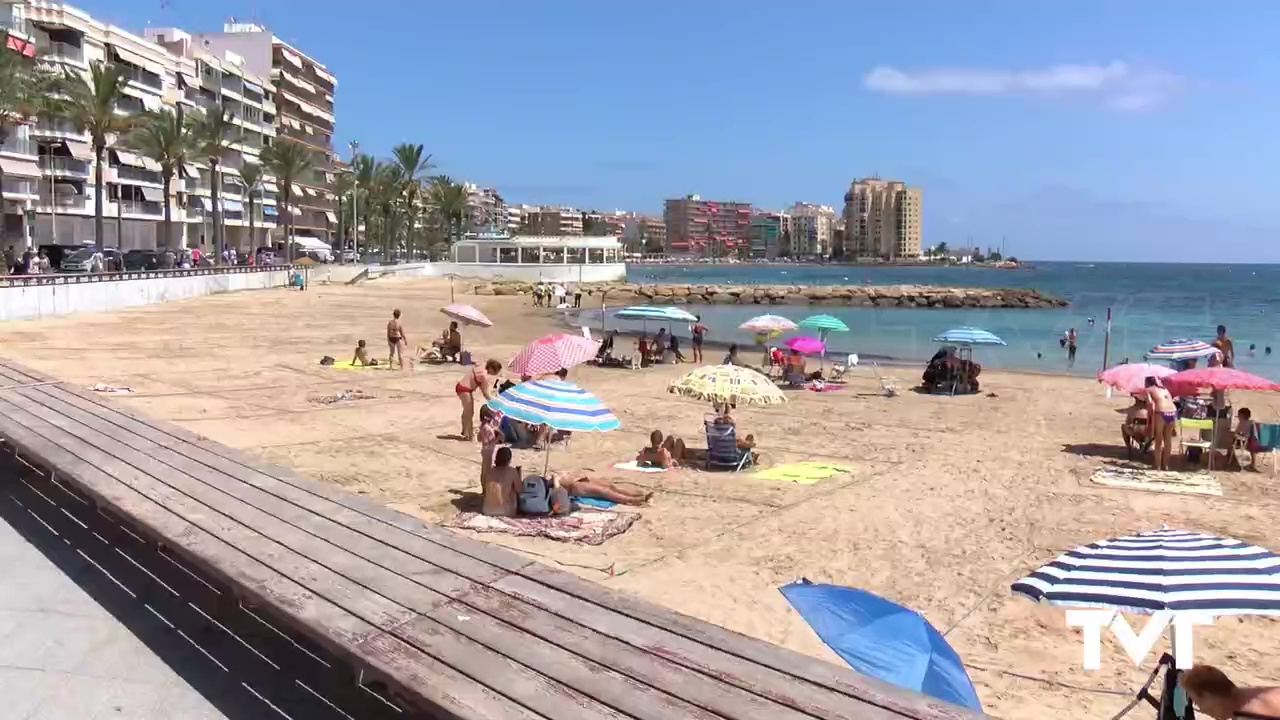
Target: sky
{"points": [[1084, 130]]}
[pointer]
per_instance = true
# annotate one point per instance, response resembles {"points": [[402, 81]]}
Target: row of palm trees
{"points": [[403, 208]]}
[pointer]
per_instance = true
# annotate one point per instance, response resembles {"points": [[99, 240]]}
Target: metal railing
{"points": [[66, 165], [124, 172], [56, 126], [87, 277], [141, 207], [143, 77], [18, 187], [63, 201], [61, 50], [21, 146]]}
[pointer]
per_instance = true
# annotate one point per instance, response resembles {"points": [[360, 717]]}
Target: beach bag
{"points": [[534, 498], [327, 360], [464, 357]]}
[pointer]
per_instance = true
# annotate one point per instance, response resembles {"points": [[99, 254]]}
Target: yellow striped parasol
{"points": [[728, 384]]}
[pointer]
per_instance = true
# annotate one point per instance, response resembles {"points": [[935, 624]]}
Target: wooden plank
{"points": [[345, 507], [342, 632], [376, 586], [618, 674], [787, 690], [803, 667]]}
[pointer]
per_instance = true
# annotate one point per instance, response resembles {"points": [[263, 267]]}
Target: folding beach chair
{"points": [[1191, 434], [839, 369], [888, 385], [722, 448]]}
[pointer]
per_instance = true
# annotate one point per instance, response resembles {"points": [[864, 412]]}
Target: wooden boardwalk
{"points": [[441, 625]]}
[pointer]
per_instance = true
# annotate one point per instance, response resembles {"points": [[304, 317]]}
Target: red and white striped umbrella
{"points": [[551, 353], [466, 315]]}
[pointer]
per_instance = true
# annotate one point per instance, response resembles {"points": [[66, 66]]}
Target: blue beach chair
{"points": [[722, 448]]}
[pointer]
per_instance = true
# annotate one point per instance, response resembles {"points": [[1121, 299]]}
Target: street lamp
{"points": [[355, 202]]}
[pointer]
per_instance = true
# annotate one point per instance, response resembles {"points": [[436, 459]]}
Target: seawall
{"points": [[905, 296]]}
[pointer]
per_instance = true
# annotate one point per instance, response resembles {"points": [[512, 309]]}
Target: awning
{"points": [[329, 178], [309, 191], [135, 60], [269, 210], [191, 169], [78, 150], [128, 158], [310, 243], [20, 168], [253, 86], [152, 103], [332, 218], [270, 186], [232, 205], [149, 164], [198, 202], [296, 190], [291, 58], [152, 194]]}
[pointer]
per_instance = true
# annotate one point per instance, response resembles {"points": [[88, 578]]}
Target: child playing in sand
{"points": [[361, 356], [490, 435]]}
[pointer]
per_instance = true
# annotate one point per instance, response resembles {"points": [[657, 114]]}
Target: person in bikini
{"points": [[396, 339], [1160, 407], [656, 453], [579, 484], [477, 378]]}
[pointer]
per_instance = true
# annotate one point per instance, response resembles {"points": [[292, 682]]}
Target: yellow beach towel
{"points": [[348, 365], [1193, 483], [804, 473]]}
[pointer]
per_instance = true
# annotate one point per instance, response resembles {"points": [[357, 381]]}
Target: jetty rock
{"points": [[907, 296]]}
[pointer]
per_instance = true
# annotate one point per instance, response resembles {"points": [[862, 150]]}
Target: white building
{"points": [[810, 226], [566, 258], [486, 210]]}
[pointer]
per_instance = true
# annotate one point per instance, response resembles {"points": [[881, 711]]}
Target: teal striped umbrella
{"points": [[824, 323]]}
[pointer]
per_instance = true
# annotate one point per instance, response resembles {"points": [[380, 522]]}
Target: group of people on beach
{"points": [[556, 296]]}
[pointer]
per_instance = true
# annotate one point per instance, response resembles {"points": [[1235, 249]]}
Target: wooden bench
{"points": [[449, 626]]}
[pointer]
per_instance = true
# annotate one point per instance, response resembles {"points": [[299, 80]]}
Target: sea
{"points": [[1149, 303]]}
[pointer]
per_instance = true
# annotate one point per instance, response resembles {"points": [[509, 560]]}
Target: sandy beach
{"points": [[948, 499]]}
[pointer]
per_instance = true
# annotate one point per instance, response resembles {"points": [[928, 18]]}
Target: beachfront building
{"points": [[18, 152], [882, 219], [208, 82], [486, 210], [767, 229], [706, 228], [552, 221], [810, 228], [653, 234], [304, 91], [559, 258]]}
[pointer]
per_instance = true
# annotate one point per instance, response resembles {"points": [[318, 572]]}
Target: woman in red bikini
{"points": [[475, 379]]}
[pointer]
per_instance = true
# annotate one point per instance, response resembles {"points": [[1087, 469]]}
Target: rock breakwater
{"points": [[907, 296]]}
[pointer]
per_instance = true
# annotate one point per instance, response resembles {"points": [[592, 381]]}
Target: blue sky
{"points": [[1085, 130]]}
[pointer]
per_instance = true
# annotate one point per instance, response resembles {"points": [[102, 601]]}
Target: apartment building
{"points": [[810, 228], [212, 82], [653, 234], [304, 91], [882, 219], [18, 152], [486, 210], [767, 230], [552, 221], [706, 228]]}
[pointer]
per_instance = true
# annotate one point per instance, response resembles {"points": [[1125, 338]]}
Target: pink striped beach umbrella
{"points": [[466, 315], [550, 353], [1132, 377]]}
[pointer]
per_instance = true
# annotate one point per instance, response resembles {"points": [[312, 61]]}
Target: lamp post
{"points": [[355, 202]]}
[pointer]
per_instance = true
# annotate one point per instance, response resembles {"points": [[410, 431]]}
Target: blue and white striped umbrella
{"points": [[969, 336], [557, 403], [1181, 349], [1172, 570], [651, 312]]}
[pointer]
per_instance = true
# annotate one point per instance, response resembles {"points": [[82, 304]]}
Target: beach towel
{"points": [[348, 365], [1132, 478], [804, 473], [828, 386], [637, 467], [105, 388], [585, 525], [598, 503]]}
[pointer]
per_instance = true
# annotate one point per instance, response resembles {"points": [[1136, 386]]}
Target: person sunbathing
{"points": [[501, 486], [656, 453], [579, 484], [361, 356]]}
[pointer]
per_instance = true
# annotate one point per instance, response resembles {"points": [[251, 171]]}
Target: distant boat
{"points": [[1086, 266]]}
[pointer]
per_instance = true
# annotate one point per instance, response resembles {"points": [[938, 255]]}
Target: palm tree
{"points": [[90, 103], [288, 161], [165, 138], [23, 89], [412, 165], [449, 200], [344, 187], [251, 174], [384, 190], [214, 134]]}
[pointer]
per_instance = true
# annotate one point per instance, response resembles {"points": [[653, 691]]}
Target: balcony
{"points": [[65, 201], [310, 220], [313, 140], [60, 51], [235, 189], [19, 146], [57, 128], [18, 187], [10, 24], [60, 165], [142, 77], [125, 173], [141, 207]]}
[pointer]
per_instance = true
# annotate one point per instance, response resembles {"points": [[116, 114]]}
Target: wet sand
{"points": [[948, 500]]}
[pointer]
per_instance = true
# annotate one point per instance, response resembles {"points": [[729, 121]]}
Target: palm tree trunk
{"points": [[168, 210], [99, 231], [251, 227], [215, 192], [288, 222]]}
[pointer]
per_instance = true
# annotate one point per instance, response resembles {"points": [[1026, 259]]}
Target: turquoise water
{"points": [[1150, 303]]}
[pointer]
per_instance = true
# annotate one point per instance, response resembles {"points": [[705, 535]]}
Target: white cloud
{"points": [[1119, 85]]}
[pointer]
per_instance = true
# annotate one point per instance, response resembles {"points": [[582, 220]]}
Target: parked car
{"points": [[348, 256], [142, 260], [57, 252], [79, 260]]}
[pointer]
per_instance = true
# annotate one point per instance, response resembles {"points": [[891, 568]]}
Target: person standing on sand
{"points": [[477, 378], [396, 339], [1165, 414], [1228, 348], [699, 333]]}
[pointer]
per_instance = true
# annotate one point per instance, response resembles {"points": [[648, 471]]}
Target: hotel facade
{"points": [[882, 219], [706, 228]]}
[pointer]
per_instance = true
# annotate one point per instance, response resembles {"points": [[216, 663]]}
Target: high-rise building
{"points": [[706, 228], [882, 219], [553, 221], [486, 210], [653, 234], [810, 228], [766, 234], [304, 91]]}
